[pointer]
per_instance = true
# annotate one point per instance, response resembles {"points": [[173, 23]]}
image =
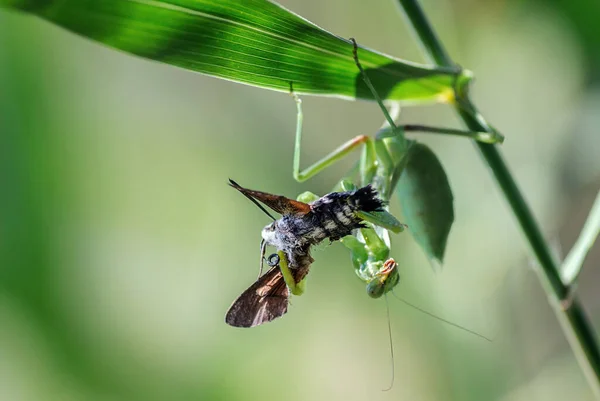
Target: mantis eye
{"points": [[375, 288]]}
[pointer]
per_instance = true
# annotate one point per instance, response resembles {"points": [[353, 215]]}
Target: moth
{"points": [[300, 226]]}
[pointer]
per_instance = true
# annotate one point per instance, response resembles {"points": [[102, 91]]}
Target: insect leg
{"points": [[390, 153], [389, 119], [331, 158], [288, 277], [368, 163], [485, 137]]}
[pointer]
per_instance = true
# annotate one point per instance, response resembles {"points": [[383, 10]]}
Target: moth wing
{"points": [[263, 301], [278, 203]]}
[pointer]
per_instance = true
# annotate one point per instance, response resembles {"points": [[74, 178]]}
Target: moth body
{"points": [[332, 217], [300, 226]]}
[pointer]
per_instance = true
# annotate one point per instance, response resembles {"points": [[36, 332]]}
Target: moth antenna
{"points": [[389, 321], [240, 188], [458, 326]]}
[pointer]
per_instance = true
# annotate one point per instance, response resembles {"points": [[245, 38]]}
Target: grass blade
{"points": [[255, 42]]}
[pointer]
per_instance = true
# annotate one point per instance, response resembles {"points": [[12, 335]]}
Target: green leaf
{"points": [[426, 200], [254, 42], [382, 219]]}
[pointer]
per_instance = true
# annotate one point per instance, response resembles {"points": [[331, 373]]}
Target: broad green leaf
{"points": [[254, 42], [426, 200]]}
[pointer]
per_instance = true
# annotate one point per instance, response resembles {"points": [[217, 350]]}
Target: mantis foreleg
{"points": [[288, 277]]}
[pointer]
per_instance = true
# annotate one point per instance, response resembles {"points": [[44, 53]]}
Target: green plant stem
{"points": [[573, 263], [569, 311]]}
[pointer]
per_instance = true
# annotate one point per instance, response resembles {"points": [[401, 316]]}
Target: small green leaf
{"points": [[255, 42], [426, 200], [382, 219]]}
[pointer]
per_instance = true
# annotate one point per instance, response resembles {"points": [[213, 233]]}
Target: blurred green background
{"points": [[122, 246]]}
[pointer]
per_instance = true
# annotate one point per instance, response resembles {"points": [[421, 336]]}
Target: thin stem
{"points": [[520, 208], [573, 263], [432, 46], [575, 323]]}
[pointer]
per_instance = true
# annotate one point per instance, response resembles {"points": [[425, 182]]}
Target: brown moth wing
{"points": [[265, 300], [278, 203]]}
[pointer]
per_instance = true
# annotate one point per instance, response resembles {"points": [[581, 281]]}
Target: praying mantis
{"points": [[382, 162]]}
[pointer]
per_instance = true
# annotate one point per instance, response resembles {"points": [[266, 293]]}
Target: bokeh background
{"points": [[122, 246]]}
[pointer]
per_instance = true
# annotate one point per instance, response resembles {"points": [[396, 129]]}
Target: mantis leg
{"points": [[398, 131], [331, 158], [288, 277], [390, 152], [485, 137]]}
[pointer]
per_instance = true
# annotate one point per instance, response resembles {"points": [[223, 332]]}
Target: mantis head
{"points": [[385, 279]]}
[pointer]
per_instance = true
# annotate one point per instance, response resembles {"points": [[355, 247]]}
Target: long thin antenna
{"points": [[387, 308], [238, 187], [441, 319]]}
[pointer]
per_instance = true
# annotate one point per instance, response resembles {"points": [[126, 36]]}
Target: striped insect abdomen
{"points": [[334, 215]]}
